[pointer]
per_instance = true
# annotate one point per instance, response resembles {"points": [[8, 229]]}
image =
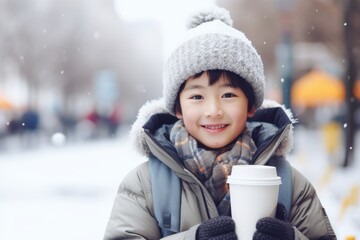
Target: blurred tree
{"points": [[352, 44], [60, 46], [319, 21], [258, 20]]}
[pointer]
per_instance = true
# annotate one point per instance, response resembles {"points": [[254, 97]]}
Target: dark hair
{"points": [[214, 75]]}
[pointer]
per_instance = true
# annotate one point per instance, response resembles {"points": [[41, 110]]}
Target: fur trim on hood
{"points": [[286, 144], [137, 134]]}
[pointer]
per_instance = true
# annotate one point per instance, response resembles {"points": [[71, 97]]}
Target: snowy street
{"points": [[61, 193], [67, 192]]}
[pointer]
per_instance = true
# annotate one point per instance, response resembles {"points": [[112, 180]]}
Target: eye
{"points": [[228, 95], [196, 97]]}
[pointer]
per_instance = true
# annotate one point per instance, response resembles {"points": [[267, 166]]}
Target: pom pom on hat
{"points": [[211, 43], [208, 15]]}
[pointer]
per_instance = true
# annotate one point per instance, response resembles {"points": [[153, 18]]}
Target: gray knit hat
{"points": [[212, 43]]}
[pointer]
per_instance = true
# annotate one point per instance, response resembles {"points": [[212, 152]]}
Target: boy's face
{"points": [[214, 115]]}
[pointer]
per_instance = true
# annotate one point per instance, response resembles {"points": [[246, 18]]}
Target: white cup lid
{"points": [[254, 175]]}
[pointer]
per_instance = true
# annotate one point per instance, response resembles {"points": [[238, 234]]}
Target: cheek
{"points": [[189, 117], [188, 110], [241, 116], [239, 113], [191, 126]]}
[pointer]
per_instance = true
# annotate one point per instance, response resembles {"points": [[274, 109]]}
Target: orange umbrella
{"points": [[317, 88], [5, 103], [357, 89]]}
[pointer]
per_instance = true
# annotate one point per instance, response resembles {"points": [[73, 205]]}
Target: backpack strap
{"points": [[166, 192], [283, 170]]}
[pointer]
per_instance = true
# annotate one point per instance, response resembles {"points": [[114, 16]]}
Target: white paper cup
{"points": [[254, 193]]}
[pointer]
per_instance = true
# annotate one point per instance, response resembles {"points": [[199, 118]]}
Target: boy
{"points": [[212, 116]]}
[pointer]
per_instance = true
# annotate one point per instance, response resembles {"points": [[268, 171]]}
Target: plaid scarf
{"points": [[212, 167]]}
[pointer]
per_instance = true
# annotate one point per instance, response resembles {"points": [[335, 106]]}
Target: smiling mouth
{"points": [[214, 127]]}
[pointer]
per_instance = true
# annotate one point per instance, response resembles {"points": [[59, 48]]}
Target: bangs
{"points": [[233, 79]]}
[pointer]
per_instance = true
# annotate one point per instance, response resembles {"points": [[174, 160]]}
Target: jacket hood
{"points": [[153, 107]]}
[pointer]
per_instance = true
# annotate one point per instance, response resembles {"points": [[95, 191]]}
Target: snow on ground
{"points": [[62, 193], [67, 192], [337, 187]]}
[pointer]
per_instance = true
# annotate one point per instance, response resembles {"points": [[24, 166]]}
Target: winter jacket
{"points": [[132, 216]]}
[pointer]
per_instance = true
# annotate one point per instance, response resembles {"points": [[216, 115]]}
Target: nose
{"points": [[213, 109]]}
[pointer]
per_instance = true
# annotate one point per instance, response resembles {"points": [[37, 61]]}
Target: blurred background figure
{"points": [[29, 127], [13, 125], [114, 121], [101, 123]]}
